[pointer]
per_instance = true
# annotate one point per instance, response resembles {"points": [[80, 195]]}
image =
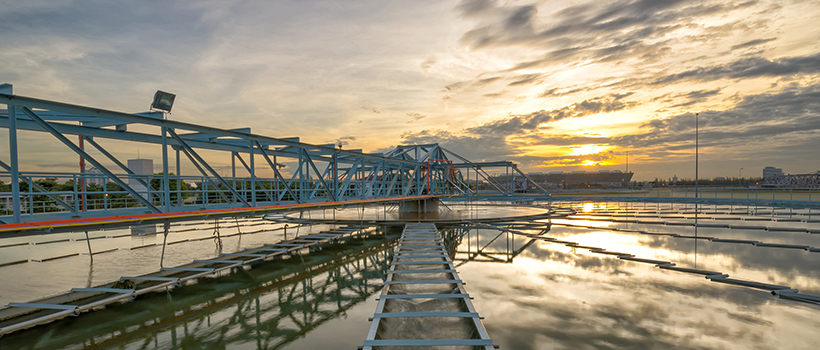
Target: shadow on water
{"points": [[270, 304]]}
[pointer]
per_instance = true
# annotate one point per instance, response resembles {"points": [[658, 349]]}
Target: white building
{"points": [[140, 167], [94, 177], [771, 171]]}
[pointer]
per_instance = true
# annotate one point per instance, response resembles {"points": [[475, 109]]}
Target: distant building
{"points": [[605, 178], [94, 177], [140, 167], [771, 171]]}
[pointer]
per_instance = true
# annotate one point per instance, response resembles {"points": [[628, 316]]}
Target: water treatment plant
{"points": [[416, 247]]}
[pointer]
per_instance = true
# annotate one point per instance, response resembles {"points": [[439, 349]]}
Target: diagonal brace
{"points": [[45, 125], [276, 172], [205, 174], [321, 177], [213, 172], [116, 161]]}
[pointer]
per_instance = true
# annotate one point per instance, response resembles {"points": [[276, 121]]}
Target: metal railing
{"points": [[42, 192]]}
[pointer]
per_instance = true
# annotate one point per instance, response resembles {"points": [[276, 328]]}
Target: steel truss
{"points": [[315, 173], [462, 175]]}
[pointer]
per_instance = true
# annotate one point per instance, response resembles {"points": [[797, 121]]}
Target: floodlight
{"points": [[163, 101]]}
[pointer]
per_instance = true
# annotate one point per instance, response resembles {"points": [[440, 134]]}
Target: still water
{"points": [[533, 294]]}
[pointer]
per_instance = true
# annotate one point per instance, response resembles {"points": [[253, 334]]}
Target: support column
{"points": [[15, 165], [166, 179], [419, 209], [336, 178], [233, 171], [82, 175], [253, 175], [179, 180]]}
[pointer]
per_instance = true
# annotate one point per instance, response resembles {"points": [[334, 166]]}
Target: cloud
{"points": [[788, 121], [414, 117], [752, 43], [485, 81], [428, 63], [519, 124], [373, 109], [489, 141], [641, 36], [559, 92], [526, 79], [496, 94], [469, 8], [344, 140], [789, 116], [609, 31], [746, 68], [698, 96]]}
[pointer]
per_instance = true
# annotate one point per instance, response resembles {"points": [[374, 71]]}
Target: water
{"points": [[533, 294], [447, 212]]}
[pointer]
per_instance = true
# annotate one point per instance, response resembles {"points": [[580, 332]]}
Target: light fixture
{"points": [[163, 101]]}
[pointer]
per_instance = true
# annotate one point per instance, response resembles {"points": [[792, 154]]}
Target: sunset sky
{"points": [[551, 85]]}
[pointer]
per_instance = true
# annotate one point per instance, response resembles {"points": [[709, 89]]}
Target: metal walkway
{"points": [[422, 283], [265, 171], [17, 316]]}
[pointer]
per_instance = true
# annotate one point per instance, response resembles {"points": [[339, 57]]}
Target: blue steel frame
{"points": [[322, 173]]}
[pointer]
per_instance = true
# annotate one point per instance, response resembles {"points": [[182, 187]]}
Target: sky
{"points": [[550, 85]]}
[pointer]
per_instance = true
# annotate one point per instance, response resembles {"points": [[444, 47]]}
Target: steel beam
{"points": [[278, 175], [134, 118], [321, 178], [190, 150], [15, 167], [116, 161], [93, 161]]}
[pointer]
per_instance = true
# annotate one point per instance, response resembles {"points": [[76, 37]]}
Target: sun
{"points": [[582, 150], [588, 162]]}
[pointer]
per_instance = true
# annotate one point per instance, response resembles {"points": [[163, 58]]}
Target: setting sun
{"points": [[588, 163]]}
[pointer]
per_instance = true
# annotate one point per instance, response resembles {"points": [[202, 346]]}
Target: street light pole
{"points": [[696, 189], [740, 176]]}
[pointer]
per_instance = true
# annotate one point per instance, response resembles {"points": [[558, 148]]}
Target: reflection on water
{"points": [[447, 212], [553, 296], [270, 306], [117, 253], [533, 294]]}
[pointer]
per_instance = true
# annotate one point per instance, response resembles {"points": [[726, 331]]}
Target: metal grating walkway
{"points": [[423, 302]]}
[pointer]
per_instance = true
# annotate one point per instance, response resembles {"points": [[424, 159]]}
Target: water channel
{"points": [[532, 293]]}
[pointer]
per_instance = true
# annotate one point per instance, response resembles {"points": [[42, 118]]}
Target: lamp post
{"points": [[627, 161], [740, 176], [696, 190], [696, 157]]}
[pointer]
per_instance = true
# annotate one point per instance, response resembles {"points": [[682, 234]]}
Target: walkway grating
{"points": [[423, 302]]}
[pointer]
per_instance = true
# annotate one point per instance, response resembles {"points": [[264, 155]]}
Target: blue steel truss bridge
{"points": [[303, 175]]}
